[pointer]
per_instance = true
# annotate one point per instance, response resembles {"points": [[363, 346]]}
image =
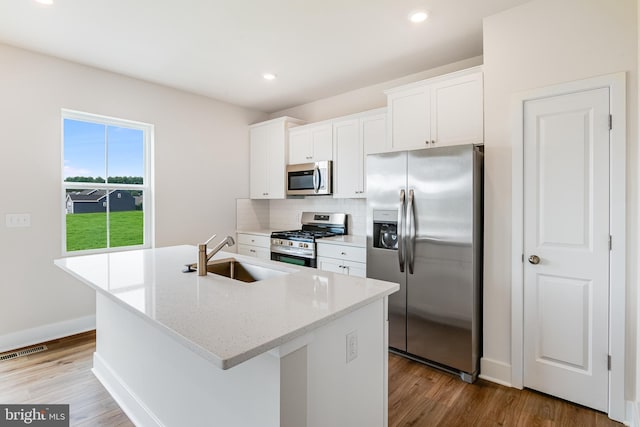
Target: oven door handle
{"points": [[317, 179]]}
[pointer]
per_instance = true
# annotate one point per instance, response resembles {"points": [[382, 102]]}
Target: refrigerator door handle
{"points": [[411, 230], [401, 217]]}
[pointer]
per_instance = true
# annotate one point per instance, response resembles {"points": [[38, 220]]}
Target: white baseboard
{"points": [[494, 371], [137, 412], [48, 332], [633, 414]]}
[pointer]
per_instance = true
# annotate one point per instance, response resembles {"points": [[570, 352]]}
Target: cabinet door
{"points": [[322, 138], [373, 134], [332, 265], [409, 114], [277, 163], [300, 146], [348, 161], [311, 144], [254, 251], [259, 163], [457, 111], [267, 161], [356, 269]]}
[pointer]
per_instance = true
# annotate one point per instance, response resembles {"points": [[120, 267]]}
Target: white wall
{"points": [[254, 215], [366, 98], [541, 43], [197, 177]]}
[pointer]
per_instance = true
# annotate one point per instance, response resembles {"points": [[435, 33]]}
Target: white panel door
{"points": [[566, 243]]}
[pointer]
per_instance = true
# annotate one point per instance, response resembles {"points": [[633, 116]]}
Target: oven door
{"points": [[309, 179], [293, 259]]}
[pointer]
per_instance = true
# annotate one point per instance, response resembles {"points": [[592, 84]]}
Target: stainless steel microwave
{"points": [[309, 179]]}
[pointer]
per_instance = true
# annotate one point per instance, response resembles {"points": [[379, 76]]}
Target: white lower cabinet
{"points": [[345, 259], [255, 245]]}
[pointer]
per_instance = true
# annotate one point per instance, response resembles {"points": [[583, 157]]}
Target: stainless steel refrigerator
{"points": [[424, 230]]}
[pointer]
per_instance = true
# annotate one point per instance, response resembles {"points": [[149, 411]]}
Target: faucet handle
{"points": [[210, 239]]}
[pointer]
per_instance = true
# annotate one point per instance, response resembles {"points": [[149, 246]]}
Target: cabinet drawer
{"points": [[350, 253], [254, 251], [254, 240], [349, 268]]}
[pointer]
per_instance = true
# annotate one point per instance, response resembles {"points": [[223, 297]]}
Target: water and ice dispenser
{"points": [[385, 229]]}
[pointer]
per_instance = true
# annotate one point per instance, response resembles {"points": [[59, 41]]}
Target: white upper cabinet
{"points": [[268, 157], [347, 165], [311, 143], [457, 111], [353, 138], [409, 115], [447, 110], [373, 131]]}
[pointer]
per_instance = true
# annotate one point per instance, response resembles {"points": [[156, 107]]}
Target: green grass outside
{"points": [[89, 230]]}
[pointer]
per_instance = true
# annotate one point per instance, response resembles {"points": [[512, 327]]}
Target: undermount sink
{"points": [[242, 271]]}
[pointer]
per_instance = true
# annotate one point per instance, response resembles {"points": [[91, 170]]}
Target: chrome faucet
{"points": [[203, 257]]}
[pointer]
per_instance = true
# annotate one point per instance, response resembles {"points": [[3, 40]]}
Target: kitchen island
{"points": [[301, 347]]}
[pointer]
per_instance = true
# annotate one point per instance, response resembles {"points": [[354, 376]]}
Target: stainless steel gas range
{"points": [[299, 246]]}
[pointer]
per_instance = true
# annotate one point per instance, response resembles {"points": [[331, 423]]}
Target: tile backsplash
{"points": [[285, 214]]}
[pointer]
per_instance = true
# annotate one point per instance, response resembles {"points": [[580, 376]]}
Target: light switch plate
{"points": [[18, 220]]}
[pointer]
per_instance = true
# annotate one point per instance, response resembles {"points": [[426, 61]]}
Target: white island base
{"points": [[158, 381]]}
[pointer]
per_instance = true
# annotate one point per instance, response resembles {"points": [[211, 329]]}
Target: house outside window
{"points": [[106, 183]]}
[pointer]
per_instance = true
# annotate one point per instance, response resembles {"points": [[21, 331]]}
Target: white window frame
{"points": [[146, 187]]}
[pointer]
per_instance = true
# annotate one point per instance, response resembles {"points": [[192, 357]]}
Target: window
{"points": [[106, 183]]}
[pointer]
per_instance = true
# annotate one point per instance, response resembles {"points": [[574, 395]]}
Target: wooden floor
{"points": [[418, 395], [422, 396], [62, 374]]}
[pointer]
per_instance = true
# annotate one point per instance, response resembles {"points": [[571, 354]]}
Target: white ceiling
{"points": [[221, 48]]}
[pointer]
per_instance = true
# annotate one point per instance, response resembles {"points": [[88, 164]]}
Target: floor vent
{"points": [[25, 352]]}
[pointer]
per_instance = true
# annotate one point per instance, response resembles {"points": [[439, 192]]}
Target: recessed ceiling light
{"points": [[269, 76], [418, 16], [45, 2]]}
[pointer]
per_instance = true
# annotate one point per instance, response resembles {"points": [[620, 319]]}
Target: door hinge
{"points": [[610, 242], [608, 362], [522, 258], [610, 121]]}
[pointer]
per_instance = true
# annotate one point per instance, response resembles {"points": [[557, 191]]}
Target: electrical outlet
{"points": [[352, 346], [18, 220]]}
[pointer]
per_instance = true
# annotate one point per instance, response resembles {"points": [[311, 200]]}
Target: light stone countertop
{"points": [[223, 320], [259, 232], [348, 240]]}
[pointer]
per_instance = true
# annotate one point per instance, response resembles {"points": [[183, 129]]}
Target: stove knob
{"points": [[306, 245], [290, 243]]}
